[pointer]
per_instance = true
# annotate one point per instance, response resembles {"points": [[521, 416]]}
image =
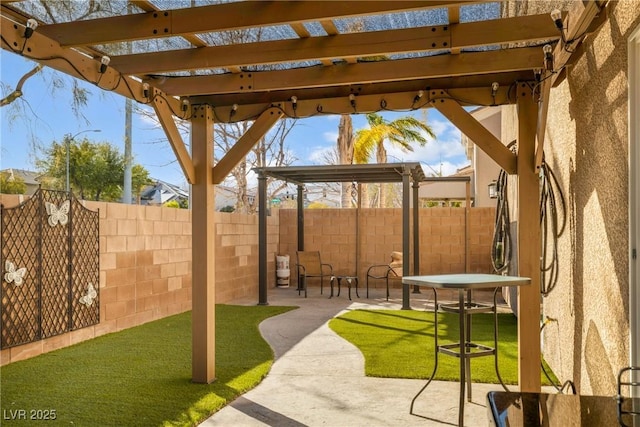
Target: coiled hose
{"points": [[553, 219], [501, 245]]}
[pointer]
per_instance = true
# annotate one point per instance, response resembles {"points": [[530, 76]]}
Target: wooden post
{"points": [[203, 247], [528, 244]]}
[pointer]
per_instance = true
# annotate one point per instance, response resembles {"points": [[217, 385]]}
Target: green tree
{"points": [[317, 205], [12, 186], [95, 170], [139, 179], [401, 132]]}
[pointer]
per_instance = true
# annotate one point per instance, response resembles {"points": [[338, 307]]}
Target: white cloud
{"points": [[330, 136], [317, 155], [445, 153]]}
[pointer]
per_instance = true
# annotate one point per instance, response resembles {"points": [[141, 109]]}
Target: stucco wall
{"points": [[587, 148]]}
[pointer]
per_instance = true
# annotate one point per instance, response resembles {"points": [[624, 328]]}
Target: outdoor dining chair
{"points": [[393, 270], [310, 265]]}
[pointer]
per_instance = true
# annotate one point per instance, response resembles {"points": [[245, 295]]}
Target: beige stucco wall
{"points": [[486, 169], [587, 148]]}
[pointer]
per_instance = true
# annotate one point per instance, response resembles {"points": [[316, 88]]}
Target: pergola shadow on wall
{"points": [[406, 173]]}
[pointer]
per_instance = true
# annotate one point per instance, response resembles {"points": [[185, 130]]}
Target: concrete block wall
{"points": [[145, 267], [237, 254], [442, 238], [145, 256], [145, 264]]}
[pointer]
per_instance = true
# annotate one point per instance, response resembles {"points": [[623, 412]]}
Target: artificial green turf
{"points": [[400, 344], [140, 376]]}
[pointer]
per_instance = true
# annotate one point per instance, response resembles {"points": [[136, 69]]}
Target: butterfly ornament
{"points": [[12, 274], [58, 215], [90, 296]]}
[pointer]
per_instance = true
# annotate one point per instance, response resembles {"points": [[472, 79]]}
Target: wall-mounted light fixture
{"points": [[493, 189], [32, 24], [104, 63], [548, 56]]}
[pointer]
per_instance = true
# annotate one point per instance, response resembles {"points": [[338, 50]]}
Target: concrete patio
{"points": [[318, 379]]}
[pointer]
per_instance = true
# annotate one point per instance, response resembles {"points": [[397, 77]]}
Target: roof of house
{"points": [[162, 192], [29, 177]]}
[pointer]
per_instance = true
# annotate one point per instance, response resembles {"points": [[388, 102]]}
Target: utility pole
{"points": [[128, 157]]}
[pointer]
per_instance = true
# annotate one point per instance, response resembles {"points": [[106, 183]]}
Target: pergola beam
{"points": [[464, 64], [468, 90], [327, 48], [477, 133], [147, 6], [364, 103], [222, 17], [240, 149], [165, 117]]}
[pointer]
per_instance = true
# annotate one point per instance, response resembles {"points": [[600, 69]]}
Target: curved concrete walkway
{"points": [[318, 379]]}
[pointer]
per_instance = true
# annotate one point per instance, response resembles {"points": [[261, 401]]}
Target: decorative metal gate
{"points": [[51, 260]]}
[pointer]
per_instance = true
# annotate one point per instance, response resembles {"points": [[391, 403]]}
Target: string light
{"points": [[234, 109], [537, 73], [494, 91], [419, 95], [185, 104], [104, 63], [294, 102], [548, 57], [352, 101], [556, 17], [145, 90], [32, 24]]}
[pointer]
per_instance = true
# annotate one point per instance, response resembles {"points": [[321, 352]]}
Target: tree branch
{"points": [[17, 93]]}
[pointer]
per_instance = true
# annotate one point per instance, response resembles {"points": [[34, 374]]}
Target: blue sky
{"points": [[48, 117]]}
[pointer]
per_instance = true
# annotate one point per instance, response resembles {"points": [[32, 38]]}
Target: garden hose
{"points": [[501, 245], [568, 384], [551, 228]]}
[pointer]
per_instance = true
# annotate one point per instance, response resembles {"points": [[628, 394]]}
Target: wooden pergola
{"points": [[407, 55]]}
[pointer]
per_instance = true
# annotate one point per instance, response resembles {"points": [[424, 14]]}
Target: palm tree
{"points": [[345, 154], [401, 132]]}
